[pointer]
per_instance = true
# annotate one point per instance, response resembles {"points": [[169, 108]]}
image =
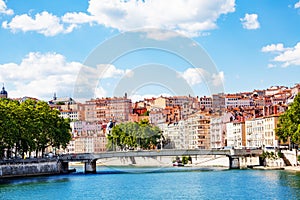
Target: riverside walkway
{"points": [[90, 158]]}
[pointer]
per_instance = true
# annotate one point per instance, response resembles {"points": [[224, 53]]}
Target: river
{"points": [[156, 183]]}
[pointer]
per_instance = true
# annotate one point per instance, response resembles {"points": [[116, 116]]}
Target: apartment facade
{"points": [[254, 132], [177, 133], [216, 133], [202, 126], [157, 116], [206, 102], [237, 101], [104, 109], [270, 124], [87, 137], [236, 135], [192, 133]]}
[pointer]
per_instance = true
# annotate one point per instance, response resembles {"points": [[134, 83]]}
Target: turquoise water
{"points": [[155, 183]]}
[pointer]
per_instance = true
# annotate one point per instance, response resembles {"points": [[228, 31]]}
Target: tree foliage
{"points": [[30, 126], [289, 123], [132, 135]]}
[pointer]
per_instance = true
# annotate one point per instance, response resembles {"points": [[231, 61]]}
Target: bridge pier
{"points": [[63, 167], [90, 166], [234, 162]]}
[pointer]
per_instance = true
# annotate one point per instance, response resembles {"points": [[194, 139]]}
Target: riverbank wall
{"points": [[22, 169], [291, 156]]}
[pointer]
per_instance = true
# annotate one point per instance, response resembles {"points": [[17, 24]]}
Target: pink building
{"points": [[104, 109]]}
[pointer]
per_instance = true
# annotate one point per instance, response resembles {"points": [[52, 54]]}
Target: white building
{"points": [[260, 132], [73, 115], [274, 90], [191, 133], [206, 102], [218, 135], [237, 101], [236, 134], [216, 132], [191, 127], [270, 124], [177, 134], [156, 116], [254, 132]]}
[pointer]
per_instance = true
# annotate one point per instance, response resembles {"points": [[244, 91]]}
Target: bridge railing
{"points": [[245, 152], [165, 152]]}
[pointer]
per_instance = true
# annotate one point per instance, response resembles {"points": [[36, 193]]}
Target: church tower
{"points": [[54, 96], [3, 93]]}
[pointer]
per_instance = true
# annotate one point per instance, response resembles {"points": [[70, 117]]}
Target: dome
{"points": [[3, 92]]}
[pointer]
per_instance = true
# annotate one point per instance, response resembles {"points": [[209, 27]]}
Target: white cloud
{"points": [[194, 76], [100, 92], [44, 23], [110, 71], [297, 5], [4, 10], [161, 34], [270, 65], [250, 21], [286, 56], [39, 75], [129, 73], [218, 79], [77, 18], [187, 17], [274, 48]]}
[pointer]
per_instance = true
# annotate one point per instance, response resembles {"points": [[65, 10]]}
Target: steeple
{"points": [[54, 96], [3, 93]]}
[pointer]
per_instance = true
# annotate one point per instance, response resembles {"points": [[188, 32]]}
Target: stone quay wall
{"points": [[22, 169]]}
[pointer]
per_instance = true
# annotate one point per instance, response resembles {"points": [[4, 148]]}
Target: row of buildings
{"points": [[241, 120]]}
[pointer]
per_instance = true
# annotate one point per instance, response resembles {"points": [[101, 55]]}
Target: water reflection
{"points": [[41, 180], [151, 183]]}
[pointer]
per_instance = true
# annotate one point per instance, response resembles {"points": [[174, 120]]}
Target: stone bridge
{"points": [[90, 159]]}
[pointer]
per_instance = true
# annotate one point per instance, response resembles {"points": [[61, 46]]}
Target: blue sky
{"points": [[46, 44]]}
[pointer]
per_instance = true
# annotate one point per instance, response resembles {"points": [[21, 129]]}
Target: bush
{"points": [[185, 160]]}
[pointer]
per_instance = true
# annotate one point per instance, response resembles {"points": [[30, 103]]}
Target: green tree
{"points": [[30, 126], [289, 123], [185, 160], [52, 130], [133, 135], [268, 155]]}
